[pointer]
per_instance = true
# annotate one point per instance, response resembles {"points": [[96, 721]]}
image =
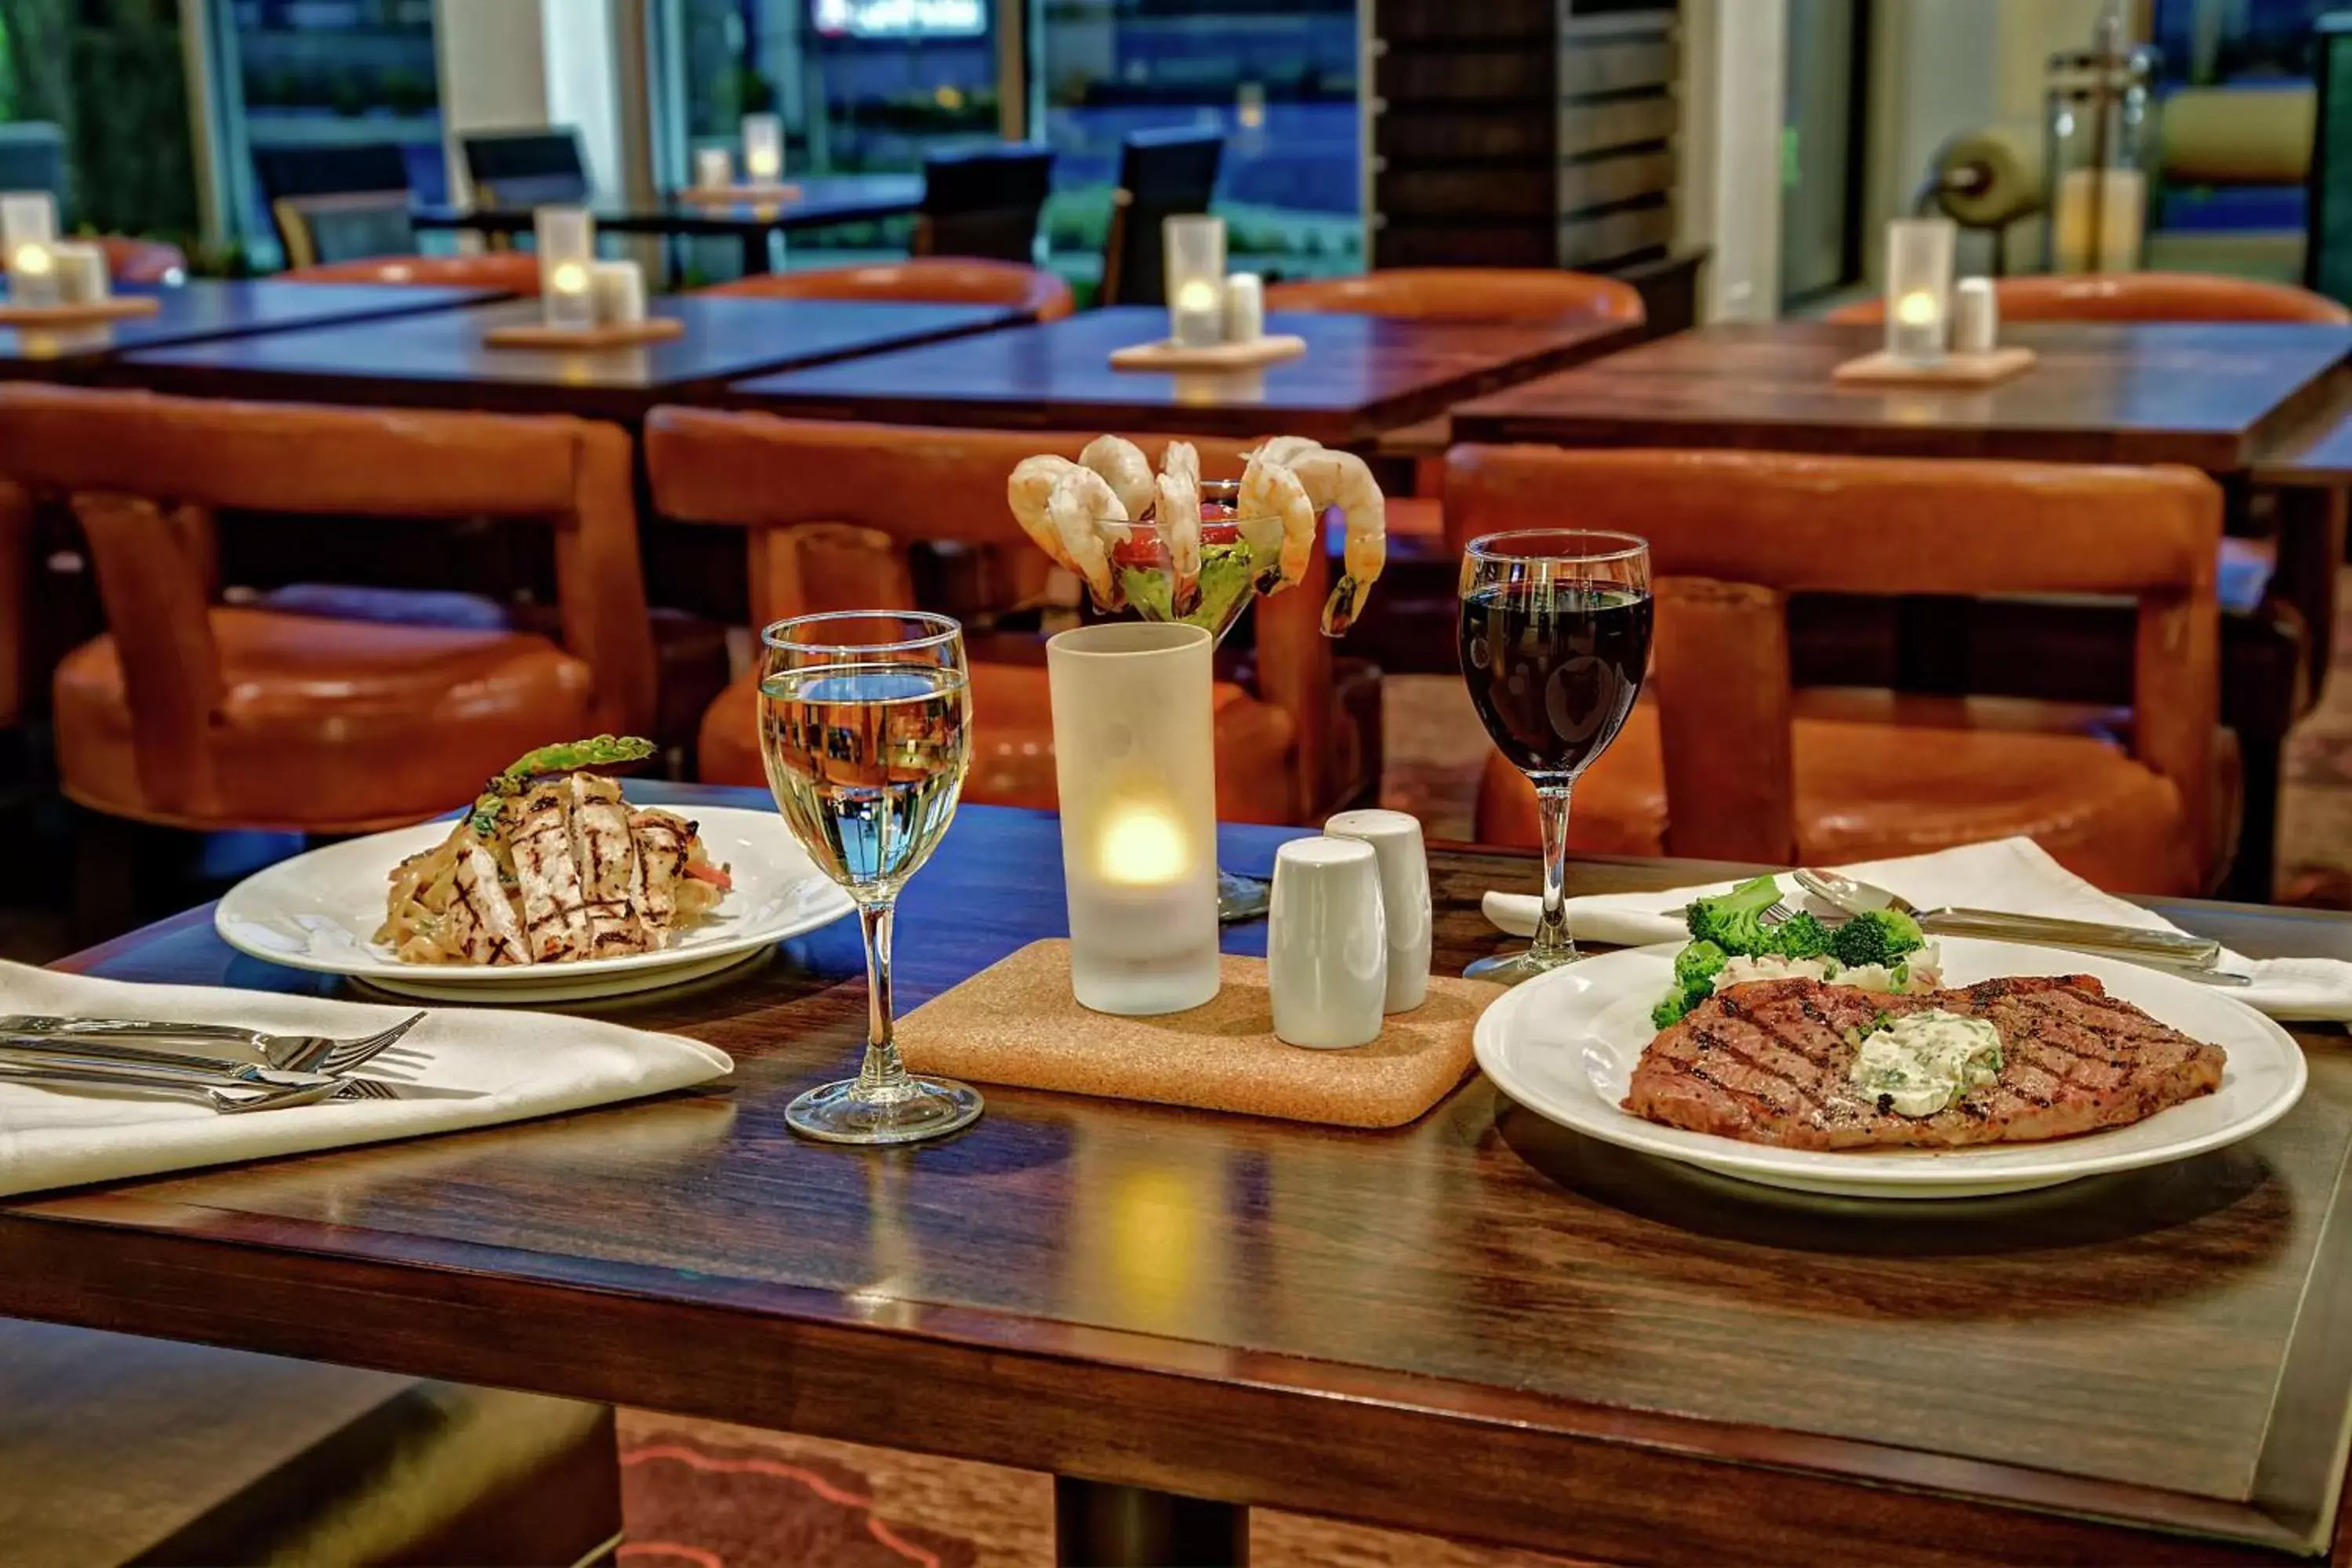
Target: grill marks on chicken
{"points": [[1766, 1063]]}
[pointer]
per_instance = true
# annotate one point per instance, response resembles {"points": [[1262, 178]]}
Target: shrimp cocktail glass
{"points": [[865, 730], [1555, 638], [1172, 546]]}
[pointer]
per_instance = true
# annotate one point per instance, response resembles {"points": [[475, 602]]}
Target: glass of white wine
{"points": [[866, 728]]}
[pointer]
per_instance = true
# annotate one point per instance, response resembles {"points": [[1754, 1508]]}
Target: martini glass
{"points": [[1231, 578]]}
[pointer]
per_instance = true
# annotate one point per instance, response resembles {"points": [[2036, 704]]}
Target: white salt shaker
{"points": [[1327, 947], [1244, 308], [81, 272], [620, 290], [1976, 317], [1395, 839]]}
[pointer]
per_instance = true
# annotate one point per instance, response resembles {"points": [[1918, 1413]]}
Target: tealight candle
{"points": [[620, 291], [764, 149], [1244, 308], [1135, 762], [714, 169], [81, 273], [566, 238], [28, 231], [1918, 287], [1194, 249]]}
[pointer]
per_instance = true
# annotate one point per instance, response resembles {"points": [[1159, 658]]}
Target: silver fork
{"points": [[227, 1097], [289, 1053]]}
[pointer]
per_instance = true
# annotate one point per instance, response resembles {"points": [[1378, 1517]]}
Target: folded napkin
{"points": [[2014, 876], [524, 1063]]}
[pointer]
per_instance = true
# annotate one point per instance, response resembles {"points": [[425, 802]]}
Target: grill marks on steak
{"points": [[1766, 1063]]}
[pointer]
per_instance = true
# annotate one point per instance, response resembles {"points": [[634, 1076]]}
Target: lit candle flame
{"points": [[1197, 295], [1143, 845], [1917, 308], [34, 259], [570, 277]]}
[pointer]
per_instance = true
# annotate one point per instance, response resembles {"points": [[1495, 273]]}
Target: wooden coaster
{"points": [[84, 313], [540, 335], [1017, 1023], [1988, 369], [1168, 354], [738, 195]]}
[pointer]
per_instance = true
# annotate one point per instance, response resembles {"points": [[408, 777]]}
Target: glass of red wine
{"points": [[1555, 636]]}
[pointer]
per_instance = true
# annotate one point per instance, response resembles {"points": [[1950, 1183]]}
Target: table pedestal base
{"points": [[1097, 1525]]}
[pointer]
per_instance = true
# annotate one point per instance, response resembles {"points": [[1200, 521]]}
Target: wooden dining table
{"points": [[1360, 375], [1480, 1325], [212, 311], [442, 362]]}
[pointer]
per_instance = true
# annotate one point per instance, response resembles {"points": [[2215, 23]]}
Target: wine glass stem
{"points": [[1553, 940], [881, 1076]]}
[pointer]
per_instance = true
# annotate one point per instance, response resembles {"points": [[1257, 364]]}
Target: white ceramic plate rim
{"points": [[793, 896], [1639, 975]]}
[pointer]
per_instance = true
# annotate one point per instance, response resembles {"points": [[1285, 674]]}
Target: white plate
{"points": [[1564, 1045], [321, 910]]}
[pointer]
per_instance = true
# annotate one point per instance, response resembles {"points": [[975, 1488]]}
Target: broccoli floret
{"points": [[1734, 921], [1669, 1010], [1697, 966], [1801, 936], [1878, 936]]}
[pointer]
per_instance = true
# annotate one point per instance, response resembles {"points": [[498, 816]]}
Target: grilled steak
{"points": [[1766, 1063]]}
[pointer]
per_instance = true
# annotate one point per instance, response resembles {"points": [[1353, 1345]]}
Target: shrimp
{"points": [[1027, 491], [1089, 518], [1277, 520], [1342, 479], [1179, 513], [1285, 449], [1122, 463]]}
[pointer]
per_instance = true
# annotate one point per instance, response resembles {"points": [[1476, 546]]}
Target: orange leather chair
{"points": [[832, 510], [934, 279], [1728, 764], [130, 260], [514, 271], [16, 574], [196, 715], [2141, 297]]}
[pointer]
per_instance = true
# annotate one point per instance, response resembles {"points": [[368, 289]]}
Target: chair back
{"points": [[1733, 534], [2141, 297], [832, 510], [33, 157], [146, 475], [133, 261], [512, 271], [1161, 175], [1467, 294], [984, 202], [540, 166], [330, 203], [937, 279]]}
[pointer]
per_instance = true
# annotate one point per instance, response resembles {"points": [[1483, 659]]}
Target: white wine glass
{"points": [[865, 730]]}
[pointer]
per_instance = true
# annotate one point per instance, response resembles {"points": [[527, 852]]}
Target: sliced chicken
{"points": [[554, 905], [607, 858], [493, 934], [662, 841]]}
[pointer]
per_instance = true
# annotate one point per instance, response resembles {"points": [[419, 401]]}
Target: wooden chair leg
{"points": [[2253, 872], [106, 883]]}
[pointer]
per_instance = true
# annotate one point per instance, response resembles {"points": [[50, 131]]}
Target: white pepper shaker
{"points": [[1395, 839], [1326, 944], [1976, 317]]}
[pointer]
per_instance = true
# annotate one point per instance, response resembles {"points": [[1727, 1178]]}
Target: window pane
{"points": [[96, 111], [1278, 76]]}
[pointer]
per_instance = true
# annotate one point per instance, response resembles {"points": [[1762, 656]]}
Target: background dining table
{"points": [[442, 362], [210, 310], [1480, 1325], [1360, 375], [819, 201]]}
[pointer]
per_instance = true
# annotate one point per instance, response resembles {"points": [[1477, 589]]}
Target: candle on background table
{"points": [[1919, 287], [714, 168], [1194, 247], [566, 238], [81, 272], [764, 149], [2107, 240], [619, 288], [28, 229], [1134, 764], [1244, 308]]}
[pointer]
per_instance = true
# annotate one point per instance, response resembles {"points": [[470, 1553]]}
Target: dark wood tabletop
{"points": [[1360, 375], [1480, 1325], [2210, 395], [822, 200], [206, 310], [442, 361]]}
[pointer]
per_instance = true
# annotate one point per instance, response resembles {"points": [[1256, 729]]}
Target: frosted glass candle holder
{"points": [[714, 169], [28, 231], [764, 149], [1920, 287], [566, 238], [1135, 762], [1195, 266]]}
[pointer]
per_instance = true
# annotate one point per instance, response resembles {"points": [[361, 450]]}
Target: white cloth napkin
{"points": [[525, 1064], [2015, 876]]}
